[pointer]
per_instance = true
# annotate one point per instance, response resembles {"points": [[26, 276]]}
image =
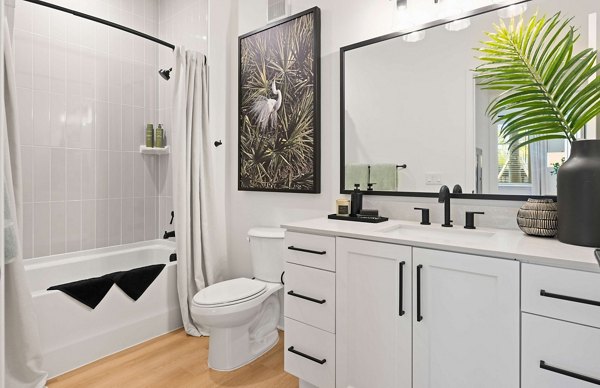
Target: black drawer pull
{"points": [[577, 376], [293, 248], [400, 287], [419, 316], [292, 293], [291, 349], [569, 298]]}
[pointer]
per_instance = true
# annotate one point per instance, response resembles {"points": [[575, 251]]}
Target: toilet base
{"points": [[270, 341], [230, 348]]}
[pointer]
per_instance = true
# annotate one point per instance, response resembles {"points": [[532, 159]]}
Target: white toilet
{"points": [[242, 314]]}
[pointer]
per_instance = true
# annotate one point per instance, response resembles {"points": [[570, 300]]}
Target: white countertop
{"points": [[505, 244]]}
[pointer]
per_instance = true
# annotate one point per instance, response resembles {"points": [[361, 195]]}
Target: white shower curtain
{"points": [[199, 208], [23, 357]]}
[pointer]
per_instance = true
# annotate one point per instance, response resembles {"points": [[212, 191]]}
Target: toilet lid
{"points": [[229, 291]]}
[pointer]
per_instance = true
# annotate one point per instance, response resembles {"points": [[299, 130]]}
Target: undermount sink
{"points": [[436, 232]]}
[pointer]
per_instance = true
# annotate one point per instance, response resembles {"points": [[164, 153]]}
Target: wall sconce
{"points": [[401, 4]]}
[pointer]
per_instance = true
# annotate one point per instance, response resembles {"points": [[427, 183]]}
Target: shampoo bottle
{"points": [[149, 135], [159, 137], [356, 201]]}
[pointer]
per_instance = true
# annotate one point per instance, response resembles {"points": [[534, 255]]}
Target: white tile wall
{"points": [[181, 22], [85, 93]]}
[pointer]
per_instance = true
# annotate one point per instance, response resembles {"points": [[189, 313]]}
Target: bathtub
{"points": [[73, 334]]}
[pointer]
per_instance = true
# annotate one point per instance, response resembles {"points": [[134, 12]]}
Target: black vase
{"points": [[579, 195]]}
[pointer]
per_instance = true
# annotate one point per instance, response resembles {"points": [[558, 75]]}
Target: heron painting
{"points": [[279, 106]]}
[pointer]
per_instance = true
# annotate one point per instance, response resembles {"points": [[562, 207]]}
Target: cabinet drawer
{"points": [[309, 354], [310, 296], [570, 354], [561, 293], [311, 250]]}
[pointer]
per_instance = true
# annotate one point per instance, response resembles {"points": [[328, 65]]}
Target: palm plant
{"points": [[545, 88]]}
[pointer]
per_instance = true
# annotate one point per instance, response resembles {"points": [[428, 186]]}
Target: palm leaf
{"points": [[545, 92]]}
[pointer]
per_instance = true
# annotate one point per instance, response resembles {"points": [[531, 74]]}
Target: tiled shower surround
{"points": [[85, 92]]}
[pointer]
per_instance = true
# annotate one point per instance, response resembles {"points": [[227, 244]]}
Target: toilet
{"points": [[242, 314]]}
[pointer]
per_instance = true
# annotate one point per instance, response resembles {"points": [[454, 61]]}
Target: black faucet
{"points": [[168, 235], [445, 198]]}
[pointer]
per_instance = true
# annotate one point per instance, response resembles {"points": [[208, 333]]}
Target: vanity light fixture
{"points": [[458, 25], [512, 11], [414, 37], [401, 4]]}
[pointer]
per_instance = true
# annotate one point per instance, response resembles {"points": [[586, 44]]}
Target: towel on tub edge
{"points": [[91, 291]]}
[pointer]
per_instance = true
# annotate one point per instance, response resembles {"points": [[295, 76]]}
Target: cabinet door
{"points": [[373, 315], [466, 321]]}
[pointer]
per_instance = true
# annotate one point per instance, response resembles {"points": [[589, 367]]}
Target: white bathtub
{"points": [[73, 334]]}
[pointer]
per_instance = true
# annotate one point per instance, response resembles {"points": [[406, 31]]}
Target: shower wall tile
{"points": [[28, 230], [74, 228], [23, 58], [58, 228], [85, 93], [41, 229], [25, 100], [58, 163]]}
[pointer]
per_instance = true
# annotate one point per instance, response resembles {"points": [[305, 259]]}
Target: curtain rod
{"points": [[102, 21]]}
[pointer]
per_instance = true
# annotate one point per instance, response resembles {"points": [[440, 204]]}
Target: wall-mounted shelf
{"points": [[154, 150]]}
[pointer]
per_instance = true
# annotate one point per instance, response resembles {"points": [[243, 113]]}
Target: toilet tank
{"points": [[266, 250]]}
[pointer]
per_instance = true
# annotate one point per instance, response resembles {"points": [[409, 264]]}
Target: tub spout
{"points": [[168, 235]]}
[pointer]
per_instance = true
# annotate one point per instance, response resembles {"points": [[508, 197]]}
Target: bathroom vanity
{"points": [[400, 304]]}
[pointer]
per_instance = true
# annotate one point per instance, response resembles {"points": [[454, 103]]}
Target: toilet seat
{"points": [[229, 292]]}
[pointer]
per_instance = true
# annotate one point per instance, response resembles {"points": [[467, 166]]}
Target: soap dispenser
{"points": [[356, 200]]}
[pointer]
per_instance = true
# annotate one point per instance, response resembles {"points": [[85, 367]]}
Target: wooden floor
{"points": [[176, 360]]}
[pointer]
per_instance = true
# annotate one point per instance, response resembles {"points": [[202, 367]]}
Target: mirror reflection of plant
{"points": [[544, 85], [556, 166], [281, 158]]}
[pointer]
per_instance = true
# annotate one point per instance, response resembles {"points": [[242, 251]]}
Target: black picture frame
{"points": [[437, 23], [315, 182]]}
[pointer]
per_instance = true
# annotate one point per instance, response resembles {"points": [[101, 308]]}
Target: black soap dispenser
{"points": [[356, 201]]}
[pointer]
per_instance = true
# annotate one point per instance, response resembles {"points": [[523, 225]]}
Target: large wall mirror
{"points": [[413, 117]]}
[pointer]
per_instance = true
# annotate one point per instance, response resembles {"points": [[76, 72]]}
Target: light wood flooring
{"points": [[176, 360]]}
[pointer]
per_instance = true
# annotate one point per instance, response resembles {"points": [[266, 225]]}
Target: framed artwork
{"points": [[279, 106]]}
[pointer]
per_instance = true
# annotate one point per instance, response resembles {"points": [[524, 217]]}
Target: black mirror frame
{"points": [[436, 23]]}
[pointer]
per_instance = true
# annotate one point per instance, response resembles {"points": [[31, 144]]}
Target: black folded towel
{"points": [[89, 291], [136, 281]]}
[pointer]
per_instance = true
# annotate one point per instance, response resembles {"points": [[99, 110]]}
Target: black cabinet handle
{"points": [[569, 298], [293, 248], [419, 316], [292, 293], [574, 375], [291, 349], [400, 287]]}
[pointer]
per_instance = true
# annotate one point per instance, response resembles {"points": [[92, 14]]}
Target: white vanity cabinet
{"points": [[466, 321], [373, 314], [309, 308], [560, 328]]}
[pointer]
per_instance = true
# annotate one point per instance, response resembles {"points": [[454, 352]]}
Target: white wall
{"points": [[342, 23]]}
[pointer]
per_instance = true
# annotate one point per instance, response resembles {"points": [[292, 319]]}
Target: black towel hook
{"points": [[218, 143]]}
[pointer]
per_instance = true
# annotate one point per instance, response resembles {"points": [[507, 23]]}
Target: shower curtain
{"points": [[23, 357], [199, 208]]}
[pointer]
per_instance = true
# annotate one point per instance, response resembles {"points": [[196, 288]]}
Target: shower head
{"points": [[166, 74]]}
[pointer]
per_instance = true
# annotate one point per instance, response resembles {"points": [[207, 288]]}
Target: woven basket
{"points": [[539, 217]]}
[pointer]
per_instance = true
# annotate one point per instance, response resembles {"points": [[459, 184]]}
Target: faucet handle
{"points": [[470, 219], [424, 215]]}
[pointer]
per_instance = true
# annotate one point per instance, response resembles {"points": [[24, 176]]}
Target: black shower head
{"points": [[166, 74]]}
